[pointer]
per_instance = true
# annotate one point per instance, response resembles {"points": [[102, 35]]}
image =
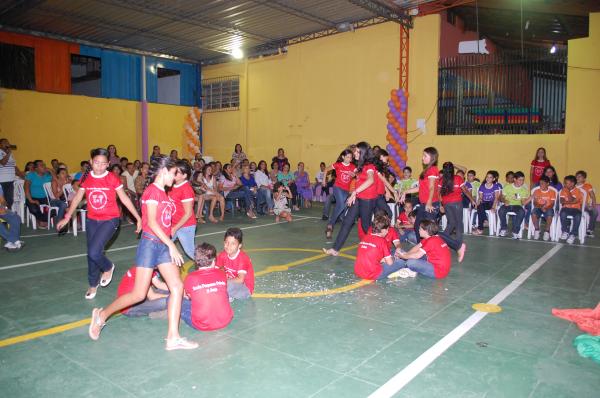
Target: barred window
{"points": [[221, 94]]}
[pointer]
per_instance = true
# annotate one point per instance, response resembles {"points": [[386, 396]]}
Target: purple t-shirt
{"points": [[489, 193]]}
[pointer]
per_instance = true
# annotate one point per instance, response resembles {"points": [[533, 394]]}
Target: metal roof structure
{"points": [[196, 30]]}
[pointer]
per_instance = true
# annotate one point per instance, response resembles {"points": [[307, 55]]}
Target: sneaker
{"points": [[571, 239], [12, 246], [401, 273], [515, 236], [546, 236], [503, 232], [590, 234], [536, 235], [564, 236], [180, 343]]}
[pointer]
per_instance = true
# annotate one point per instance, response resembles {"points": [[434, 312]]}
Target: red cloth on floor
{"points": [[587, 319]]}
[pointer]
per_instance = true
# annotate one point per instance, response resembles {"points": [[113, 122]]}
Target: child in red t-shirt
{"points": [[431, 257], [373, 257], [155, 301], [206, 303], [237, 265], [405, 223], [392, 237]]}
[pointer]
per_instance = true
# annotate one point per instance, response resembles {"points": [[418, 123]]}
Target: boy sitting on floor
{"points": [[373, 258], [430, 258], [154, 303], [206, 303], [237, 265]]}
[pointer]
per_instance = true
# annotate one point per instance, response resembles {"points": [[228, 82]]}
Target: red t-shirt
{"points": [[371, 250], [434, 173], [179, 194], [538, 169], [371, 191], [391, 236], [127, 283], [380, 184], [343, 175], [207, 289], [164, 210], [456, 194], [101, 195], [239, 264], [438, 254], [403, 218]]}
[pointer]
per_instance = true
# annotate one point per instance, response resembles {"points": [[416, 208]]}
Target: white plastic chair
{"points": [[393, 207], [49, 195], [467, 224], [19, 199], [550, 229], [582, 225], [492, 221], [508, 214], [68, 191]]}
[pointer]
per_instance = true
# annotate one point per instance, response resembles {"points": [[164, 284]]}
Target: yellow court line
{"points": [[74, 325]]}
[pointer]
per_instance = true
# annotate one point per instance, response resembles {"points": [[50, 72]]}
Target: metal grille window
{"points": [[503, 93], [221, 94]]}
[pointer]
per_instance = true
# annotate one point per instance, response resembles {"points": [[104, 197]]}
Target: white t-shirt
{"points": [[262, 180], [7, 171], [130, 179]]}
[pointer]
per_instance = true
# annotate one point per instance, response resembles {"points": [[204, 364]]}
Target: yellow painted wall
{"points": [[66, 127], [329, 92], [313, 101]]}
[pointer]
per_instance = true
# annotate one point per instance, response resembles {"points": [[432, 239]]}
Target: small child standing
{"points": [[237, 266], [280, 202], [590, 206], [571, 199], [206, 306]]}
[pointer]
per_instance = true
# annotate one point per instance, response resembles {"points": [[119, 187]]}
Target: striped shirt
{"points": [[7, 171]]}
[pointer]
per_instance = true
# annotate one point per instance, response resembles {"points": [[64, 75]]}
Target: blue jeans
{"points": [[409, 236], [519, 215], [98, 234], [340, 197], [564, 221], [423, 214], [238, 291], [186, 312], [242, 193], [40, 216], [264, 196], [186, 238], [151, 252], [390, 269], [481, 213], [420, 266], [146, 307], [12, 233]]}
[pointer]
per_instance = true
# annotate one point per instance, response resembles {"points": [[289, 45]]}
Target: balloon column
{"points": [[191, 133], [396, 127]]}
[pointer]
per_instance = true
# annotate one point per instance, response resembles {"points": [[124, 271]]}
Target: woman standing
{"points": [[238, 156], [113, 158], [101, 189], [538, 165], [363, 200], [344, 171], [280, 158]]}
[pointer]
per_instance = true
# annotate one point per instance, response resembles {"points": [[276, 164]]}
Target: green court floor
{"points": [[313, 329]]}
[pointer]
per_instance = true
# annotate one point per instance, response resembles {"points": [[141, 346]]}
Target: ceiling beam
{"points": [[384, 11], [276, 5]]}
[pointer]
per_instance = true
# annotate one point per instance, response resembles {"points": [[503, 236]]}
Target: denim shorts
{"points": [[151, 252], [540, 213]]}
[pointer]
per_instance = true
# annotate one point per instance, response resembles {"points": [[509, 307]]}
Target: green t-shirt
{"points": [[408, 184], [475, 190], [513, 195]]}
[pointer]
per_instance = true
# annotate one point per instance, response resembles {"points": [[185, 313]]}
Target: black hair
{"points": [[84, 163], [277, 185], [545, 179], [124, 159], [413, 214], [93, 154], [581, 173], [54, 160], [472, 172], [407, 168], [225, 173], [433, 154], [430, 226], [184, 167], [345, 152], [519, 174], [508, 173], [274, 163], [571, 178], [366, 156], [494, 174], [235, 233], [322, 164], [156, 166], [554, 178], [204, 255], [447, 178], [116, 166]]}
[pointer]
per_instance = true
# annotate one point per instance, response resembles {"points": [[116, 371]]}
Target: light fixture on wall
{"points": [[553, 49], [237, 53]]}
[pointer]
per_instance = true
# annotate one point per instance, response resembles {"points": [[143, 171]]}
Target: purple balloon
{"points": [[391, 104]]}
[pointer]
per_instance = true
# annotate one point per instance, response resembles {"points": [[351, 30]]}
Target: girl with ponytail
{"points": [[101, 189], [452, 186], [182, 194], [155, 250]]}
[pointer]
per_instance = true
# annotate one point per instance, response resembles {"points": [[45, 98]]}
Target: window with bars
{"points": [[221, 94]]}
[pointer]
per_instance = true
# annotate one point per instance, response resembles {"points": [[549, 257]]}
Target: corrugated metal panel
{"points": [[191, 29]]}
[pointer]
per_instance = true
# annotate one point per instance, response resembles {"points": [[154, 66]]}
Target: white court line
{"points": [[405, 376], [50, 260], [68, 233]]}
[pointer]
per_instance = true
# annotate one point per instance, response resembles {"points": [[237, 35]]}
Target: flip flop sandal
{"points": [[106, 282], [96, 322]]}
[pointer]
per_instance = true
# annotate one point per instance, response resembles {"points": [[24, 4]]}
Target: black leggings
{"points": [[362, 208], [382, 204]]}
